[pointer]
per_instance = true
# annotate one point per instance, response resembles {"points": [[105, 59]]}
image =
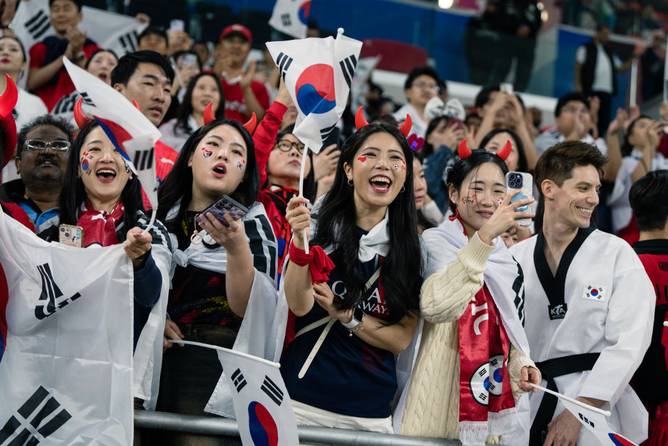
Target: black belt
{"points": [[551, 369]]}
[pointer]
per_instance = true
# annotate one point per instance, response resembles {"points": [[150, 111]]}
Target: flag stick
{"points": [[151, 222], [633, 94], [302, 171], [571, 400], [223, 349], [665, 323], [665, 77]]}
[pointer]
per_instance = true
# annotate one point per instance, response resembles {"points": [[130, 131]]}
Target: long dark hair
{"points": [[74, 194], [522, 165], [186, 108], [401, 269], [310, 185], [178, 184], [463, 167], [627, 147]]}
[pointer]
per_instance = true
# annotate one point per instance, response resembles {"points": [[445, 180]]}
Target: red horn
{"points": [[136, 104], [251, 124], [9, 97], [360, 120], [210, 116], [406, 126], [505, 151], [463, 150], [79, 116]]}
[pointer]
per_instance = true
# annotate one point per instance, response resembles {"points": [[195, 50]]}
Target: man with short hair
{"points": [[146, 77], [41, 160], [649, 200], [47, 77], [420, 86], [243, 95], [153, 38], [588, 301]]}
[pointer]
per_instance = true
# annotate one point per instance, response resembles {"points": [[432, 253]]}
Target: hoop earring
{"points": [[403, 189], [350, 182]]}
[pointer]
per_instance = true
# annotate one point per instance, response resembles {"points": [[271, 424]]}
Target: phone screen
{"points": [[224, 206]]}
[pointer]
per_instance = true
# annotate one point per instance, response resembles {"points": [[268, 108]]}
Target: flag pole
{"points": [[633, 94], [302, 171], [571, 400]]}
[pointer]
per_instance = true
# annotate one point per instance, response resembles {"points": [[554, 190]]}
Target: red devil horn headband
{"points": [[404, 128], [79, 116], [505, 151], [209, 115], [8, 98], [463, 150], [251, 124]]}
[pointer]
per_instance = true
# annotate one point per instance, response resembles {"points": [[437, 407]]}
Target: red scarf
{"points": [[483, 361], [99, 227]]}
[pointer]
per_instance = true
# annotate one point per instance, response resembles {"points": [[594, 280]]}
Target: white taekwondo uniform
{"points": [[588, 327]]}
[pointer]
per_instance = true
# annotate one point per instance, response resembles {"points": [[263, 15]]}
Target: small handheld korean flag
{"points": [[132, 134], [593, 419], [262, 406], [291, 17]]}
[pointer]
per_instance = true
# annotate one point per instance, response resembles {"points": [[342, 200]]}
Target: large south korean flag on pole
{"points": [[318, 73], [65, 342]]}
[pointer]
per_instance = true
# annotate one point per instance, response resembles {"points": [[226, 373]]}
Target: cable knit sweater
{"points": [[432, 406]]}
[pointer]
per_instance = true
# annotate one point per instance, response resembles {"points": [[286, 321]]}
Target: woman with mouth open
{"points": [[472, 365], [341, 369], [203, 89], [223, 266]]}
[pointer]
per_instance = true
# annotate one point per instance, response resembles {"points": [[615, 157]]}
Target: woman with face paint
{"points": [[102, 196], [341, 367], [223, 266], [471, 367]]}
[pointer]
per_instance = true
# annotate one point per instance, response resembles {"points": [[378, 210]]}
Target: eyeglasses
{"points": [[58, 145], [425, 86], [286, 146]]}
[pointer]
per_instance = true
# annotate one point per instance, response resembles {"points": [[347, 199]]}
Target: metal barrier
{"points": [[227, 428]]}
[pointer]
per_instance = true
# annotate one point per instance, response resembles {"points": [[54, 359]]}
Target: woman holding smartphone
{"points": [[341, 368], [222, 264], [472, 364]]}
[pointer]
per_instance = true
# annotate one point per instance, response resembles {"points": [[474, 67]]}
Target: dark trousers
{"points": [[510, 48], [604, 112]]}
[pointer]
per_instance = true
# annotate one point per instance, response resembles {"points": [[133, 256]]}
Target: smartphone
{"points": [[70, 235], [506, 87], [224, 206], [177, 25], [524, 183], [332, 138]]}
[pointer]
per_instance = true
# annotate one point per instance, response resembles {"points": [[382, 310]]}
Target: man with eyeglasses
{"points": [[41, 161], [420, 86]]}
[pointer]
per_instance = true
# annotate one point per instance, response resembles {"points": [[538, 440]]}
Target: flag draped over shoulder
{"points": [[66, 369], [109, 30], [129, 130], [291, 17], [318, 74]]}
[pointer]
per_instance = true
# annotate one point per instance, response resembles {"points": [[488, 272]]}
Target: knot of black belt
{"points": [[551, 369]]}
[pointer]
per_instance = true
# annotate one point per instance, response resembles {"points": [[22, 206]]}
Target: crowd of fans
{"points": [[415, 220]]}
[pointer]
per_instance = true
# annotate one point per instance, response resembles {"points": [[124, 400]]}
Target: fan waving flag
{"points": [[66, 327], [133, 135], [318, 74], [291, 17]]}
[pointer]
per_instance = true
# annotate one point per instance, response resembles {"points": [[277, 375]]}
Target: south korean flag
{"points": [[291, 17], [318, 74], [262, 405]]}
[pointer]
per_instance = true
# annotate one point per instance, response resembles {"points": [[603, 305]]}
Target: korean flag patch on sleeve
{"points": [[595, 293]]}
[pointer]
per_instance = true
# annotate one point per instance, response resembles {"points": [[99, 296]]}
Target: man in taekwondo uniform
{"points": [[589, 303]]}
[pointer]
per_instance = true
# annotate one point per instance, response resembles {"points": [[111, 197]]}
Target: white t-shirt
{"points": [[419, 126], [603, 72]]}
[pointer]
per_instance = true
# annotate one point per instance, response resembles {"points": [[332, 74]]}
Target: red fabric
{"points": [[264, 137], [319, 263], [664, 340], [658, 427], [235, 104], [99, 227], [484, 350], [17, 213], [165, 158], [50, 93], [630, 233]]}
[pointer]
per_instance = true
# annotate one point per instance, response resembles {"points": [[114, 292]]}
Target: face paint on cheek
{"points": [[361, 159], [241, 165], [398, 165], [206, 153], [85, 166]]}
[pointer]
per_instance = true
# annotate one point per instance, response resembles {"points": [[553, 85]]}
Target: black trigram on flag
{"points": [[272, 390], [144, 159], [86, 99], [65, 104], [38, 24], [348, 68], [129, 41], [49, 300], [283, 61], [586, 420], [36, 419], [238, 380], [324, 133], [286, 19]]}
